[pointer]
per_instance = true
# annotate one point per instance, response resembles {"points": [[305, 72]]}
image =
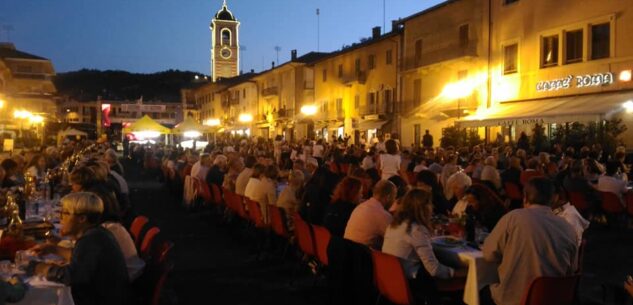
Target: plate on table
{"points": [[448, 242]]}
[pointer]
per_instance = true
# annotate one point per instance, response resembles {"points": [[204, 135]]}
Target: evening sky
{"points": [[154, 35]]}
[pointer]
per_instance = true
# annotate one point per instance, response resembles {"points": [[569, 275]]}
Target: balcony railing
{"points": [[377, 108], [38, 76], [359, 77], [283, 113], [270, 91]]}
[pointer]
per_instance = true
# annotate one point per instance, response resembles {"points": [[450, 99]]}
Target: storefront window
{"points": [[549, 53]]}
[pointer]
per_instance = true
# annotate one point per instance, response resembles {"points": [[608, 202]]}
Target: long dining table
{"points": [[480, 272]]}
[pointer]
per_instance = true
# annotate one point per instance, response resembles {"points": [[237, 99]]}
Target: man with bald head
{"points": [[369, 220]]}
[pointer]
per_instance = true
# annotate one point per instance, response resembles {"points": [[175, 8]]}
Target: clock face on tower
{"points": [[225, 53]]}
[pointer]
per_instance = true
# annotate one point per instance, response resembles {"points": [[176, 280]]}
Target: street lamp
{"points": [[212, 122], [628, 106], [245, 118], [309, 110]]}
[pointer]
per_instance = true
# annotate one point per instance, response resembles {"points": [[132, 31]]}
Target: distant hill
{"points": [[86, 85]]}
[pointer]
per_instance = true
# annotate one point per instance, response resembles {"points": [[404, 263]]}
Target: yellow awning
{"points": [[189, 124], [146, 124], [580, 108]]}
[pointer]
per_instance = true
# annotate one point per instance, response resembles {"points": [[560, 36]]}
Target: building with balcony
{"points": [[558, 62], [356, 89], [283, 91], [444, 73], [26, 82]]}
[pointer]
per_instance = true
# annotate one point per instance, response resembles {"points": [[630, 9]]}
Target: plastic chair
{"points": [[277, 221], [255, 213], [148, 241], [205, 193], [390, 279], [578, 200], [164, 269], [629, 203], [137, 227], [611, 203], [239, 206], [217, 194], [551, 291], [513, 191], [303, 235], [321, 241]]}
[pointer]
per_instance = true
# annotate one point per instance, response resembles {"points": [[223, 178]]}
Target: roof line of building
{"points": [[428, 10]]}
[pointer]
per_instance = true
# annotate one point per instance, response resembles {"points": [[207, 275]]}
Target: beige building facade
{"points": [[444, 69], [556, 62], [356, 90]]}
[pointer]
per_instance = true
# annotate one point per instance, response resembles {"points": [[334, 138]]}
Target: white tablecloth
{"points": [[480, 272], [47, 296]]}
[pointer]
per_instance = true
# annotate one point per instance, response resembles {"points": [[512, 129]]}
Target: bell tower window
{"points": [[226, 37]]}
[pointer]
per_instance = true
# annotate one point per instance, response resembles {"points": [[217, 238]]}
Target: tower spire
{"points": [[224, 3]]}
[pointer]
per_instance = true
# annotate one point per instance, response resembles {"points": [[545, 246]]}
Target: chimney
{"points": [[273, 63], [293, 55], [375, 32], [252, 70]]}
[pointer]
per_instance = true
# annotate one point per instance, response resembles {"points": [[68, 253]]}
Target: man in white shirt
{"points": [[200, 168], [609, 182], [529, 243], [569, 212], [370, 219]]}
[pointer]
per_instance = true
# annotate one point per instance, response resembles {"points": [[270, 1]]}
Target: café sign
{"points": [[579, 81]]}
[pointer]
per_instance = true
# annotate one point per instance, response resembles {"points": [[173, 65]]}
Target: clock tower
{"points": [[225, 47]]}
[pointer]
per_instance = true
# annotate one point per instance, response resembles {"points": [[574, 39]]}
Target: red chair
{"points": [[611, 203], [239, 206], [551, 291], [411, 178], [148, 241], [303, 235], [159, 281], [217, 194], [390, 279], [578, 200], [205, 193], [278, 221], [255, 213], [321, 241], [137, 227], [513, 191], [629, 203]]}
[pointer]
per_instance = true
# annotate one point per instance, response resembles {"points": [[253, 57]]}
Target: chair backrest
{"points": [[278, 221], [148, 240], [137, 227], [390, 278], [578, 200], [160, 280], [551, 291], [321, 241], [412, 179], [303, 235], [205, 192], [513, 191], [611, 203], [217, 194], [254, 213], [629, 202], [239, 206]]}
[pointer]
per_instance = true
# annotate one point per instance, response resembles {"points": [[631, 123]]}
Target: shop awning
{"points": [[146, 124], [371, 124], [335, 125], [581, 108]]}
